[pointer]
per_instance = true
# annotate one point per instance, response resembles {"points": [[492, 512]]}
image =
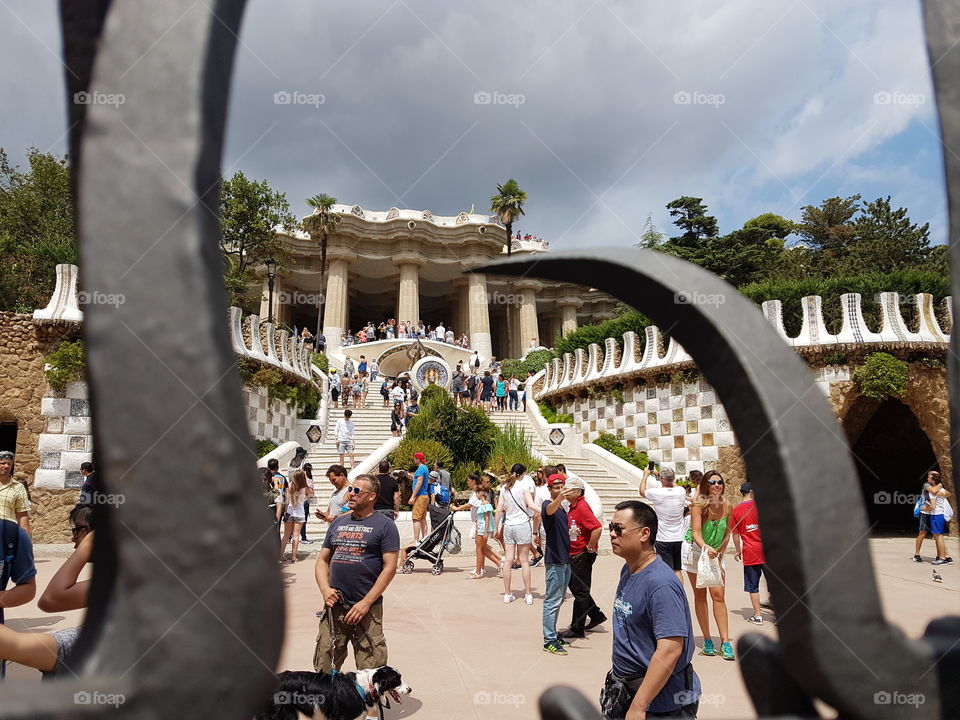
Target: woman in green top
{"points": [[710, 532]]}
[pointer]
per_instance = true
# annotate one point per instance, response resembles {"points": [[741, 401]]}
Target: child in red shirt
{"points": [[746, 529]]}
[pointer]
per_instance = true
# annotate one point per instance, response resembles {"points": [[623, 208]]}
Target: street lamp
{"points": [[271, 275]]}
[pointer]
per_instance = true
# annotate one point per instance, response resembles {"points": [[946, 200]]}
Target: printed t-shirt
{"points": [[358, 547], [388, 486], [557, 550], [650, 604], [668, 504], [746, 524], [423, 473], [586, 521]]}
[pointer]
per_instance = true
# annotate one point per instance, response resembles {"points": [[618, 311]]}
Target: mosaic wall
{"points": [[68, 440], [268, 420]]}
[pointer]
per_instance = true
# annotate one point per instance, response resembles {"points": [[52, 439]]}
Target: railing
{"points": [[596, 363]]}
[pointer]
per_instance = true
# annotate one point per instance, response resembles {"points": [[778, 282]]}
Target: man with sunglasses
{"points": [[652, 674], [357, 562]]}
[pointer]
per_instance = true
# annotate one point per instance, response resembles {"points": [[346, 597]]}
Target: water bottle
{"points": [[574, 530]]}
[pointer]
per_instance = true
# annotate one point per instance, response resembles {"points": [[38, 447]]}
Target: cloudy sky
{"points": [[604, 111]]}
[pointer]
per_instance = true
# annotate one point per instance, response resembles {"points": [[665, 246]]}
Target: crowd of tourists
{"points": [[404, 330]]}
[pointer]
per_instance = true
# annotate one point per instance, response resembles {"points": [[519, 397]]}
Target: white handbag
{"points": [[709, 573]]}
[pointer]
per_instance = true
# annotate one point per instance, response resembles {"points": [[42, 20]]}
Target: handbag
{"points": [[617, 694], [947, 511], [709, 573], [916, 508]]}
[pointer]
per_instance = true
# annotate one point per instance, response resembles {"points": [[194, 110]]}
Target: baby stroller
{"points": [[443, 538]]}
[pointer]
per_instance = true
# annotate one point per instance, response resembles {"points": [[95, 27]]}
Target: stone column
{"points": [[478, 312], [408, 297], [461, 319], [529, 328], [336, 301], [568, 318]]}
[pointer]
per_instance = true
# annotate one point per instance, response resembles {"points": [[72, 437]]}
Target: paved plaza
{"points": [[466, 654]]}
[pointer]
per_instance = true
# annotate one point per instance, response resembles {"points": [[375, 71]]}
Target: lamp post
{"points": [[271, 275]]}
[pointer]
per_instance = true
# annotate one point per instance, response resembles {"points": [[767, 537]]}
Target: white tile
{"points": [[678, 428], [77, 390], [691, 413], [54, 442], [676, 401], [680, 454], [707, 426], [707, 398], [72, 460], [723, 439], [50, 479], [77, 426], [55, 407], [709, 453], [664, 416], [693, 440]]}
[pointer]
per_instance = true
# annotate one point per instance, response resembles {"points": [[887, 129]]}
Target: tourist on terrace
{"points": [[440, 332], [360, 391], [306, 336], [527, 388], [397, 395], [391, 330], [308, 469], [385, 392], [344, 432], [374, 370], [413, 408], [482, 533], [501, 393], [670, 503], [710, 525], [486, 391], [448, 337], [388, 497], [361, 335], [297, 494], [335, 388], [515, 512], [494, 367], [320, 343], [464, 342], [337, 475], [459, 379], [362, 367], [346, 388], [472, 385], [348, 338], [474, 362]]}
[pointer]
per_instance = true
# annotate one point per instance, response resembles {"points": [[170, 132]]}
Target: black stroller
{"points": [[443, 538]]}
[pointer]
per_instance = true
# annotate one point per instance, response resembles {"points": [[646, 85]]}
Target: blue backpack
{"points": [[442, 493]]}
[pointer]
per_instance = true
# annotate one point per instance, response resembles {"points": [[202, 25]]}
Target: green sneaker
{"points": [[708, 647], [560, 641], [555, 649], [726, 651]]}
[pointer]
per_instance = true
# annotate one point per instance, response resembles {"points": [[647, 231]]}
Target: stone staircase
{"points": [[611, 488]]}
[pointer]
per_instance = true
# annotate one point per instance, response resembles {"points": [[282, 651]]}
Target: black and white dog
{"points": [[341, 696]]}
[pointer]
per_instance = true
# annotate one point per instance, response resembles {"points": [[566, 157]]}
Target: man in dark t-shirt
{"points": [[557, 562], [356, 564], [16, 566], [388, 498]]}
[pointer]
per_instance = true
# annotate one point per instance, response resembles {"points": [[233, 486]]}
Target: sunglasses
{"points": [[356, 490], [618, 529], [75, 530], [715, 482]]}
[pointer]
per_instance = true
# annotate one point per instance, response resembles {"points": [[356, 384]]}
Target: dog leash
{"points": [[333, 670]]}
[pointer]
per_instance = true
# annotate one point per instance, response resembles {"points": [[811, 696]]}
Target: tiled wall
{"points": [[267, 420], [680, 426], [68, 441]]}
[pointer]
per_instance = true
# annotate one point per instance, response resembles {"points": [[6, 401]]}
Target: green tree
{"points": [[322, 223], [829, 227], [250, 212], [690, 215], [37, 229], [885, 240], [507, 204], [651, 237], [774, 225]]}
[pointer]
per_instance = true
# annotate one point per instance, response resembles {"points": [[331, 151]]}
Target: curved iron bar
{"points": [[196, 615], [836, 644]]}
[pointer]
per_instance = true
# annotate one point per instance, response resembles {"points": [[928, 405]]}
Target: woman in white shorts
{"points": [[517, 509]]}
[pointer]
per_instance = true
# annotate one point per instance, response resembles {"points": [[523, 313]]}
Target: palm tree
{"points": [[321, 222], [508, 205]]}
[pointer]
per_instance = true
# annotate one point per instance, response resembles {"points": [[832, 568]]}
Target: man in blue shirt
{"points": [[420, 497], [16, 566], [557, 555], [652, 632]]}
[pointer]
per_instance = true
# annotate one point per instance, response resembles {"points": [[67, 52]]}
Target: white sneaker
{"points": [[528, 599], [509, 598]]}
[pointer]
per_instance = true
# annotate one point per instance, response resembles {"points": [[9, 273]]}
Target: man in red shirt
{"points": [[585, 532], [746, 529]]}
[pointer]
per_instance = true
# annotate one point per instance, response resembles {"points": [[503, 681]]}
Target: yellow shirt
{"points": [[13, 500]]}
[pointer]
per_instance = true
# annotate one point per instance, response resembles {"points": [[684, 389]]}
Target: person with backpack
{"points": [[932, 506], [385, 392]]}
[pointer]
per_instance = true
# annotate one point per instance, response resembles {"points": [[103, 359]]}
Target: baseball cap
{"points": [[553, 478], [420, 456], [434, 475], [575, 483], [745, 488]]}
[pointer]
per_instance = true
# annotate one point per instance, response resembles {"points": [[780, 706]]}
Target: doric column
{"points": [[529, 329], [336, 300], [568, 309], [408, 297], [461, 320], [478, 313]]}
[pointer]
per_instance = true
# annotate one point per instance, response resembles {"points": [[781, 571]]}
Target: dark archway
{"points": [[8, 436], [892, 455]]}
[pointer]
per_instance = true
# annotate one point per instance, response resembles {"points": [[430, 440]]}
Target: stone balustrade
{"points": [[596, 364]]}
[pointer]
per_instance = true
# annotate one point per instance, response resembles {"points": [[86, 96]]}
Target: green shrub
{"points": [[68, 363], [551, 415], [264, 447], [459, 474], [402, 457], [303, 396], [467, 432], [432, 391], [882, 376], [533, 362], [582, 337], [321, 361], [836, 358], [612, 444], [511, 445], [684, 377]]}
